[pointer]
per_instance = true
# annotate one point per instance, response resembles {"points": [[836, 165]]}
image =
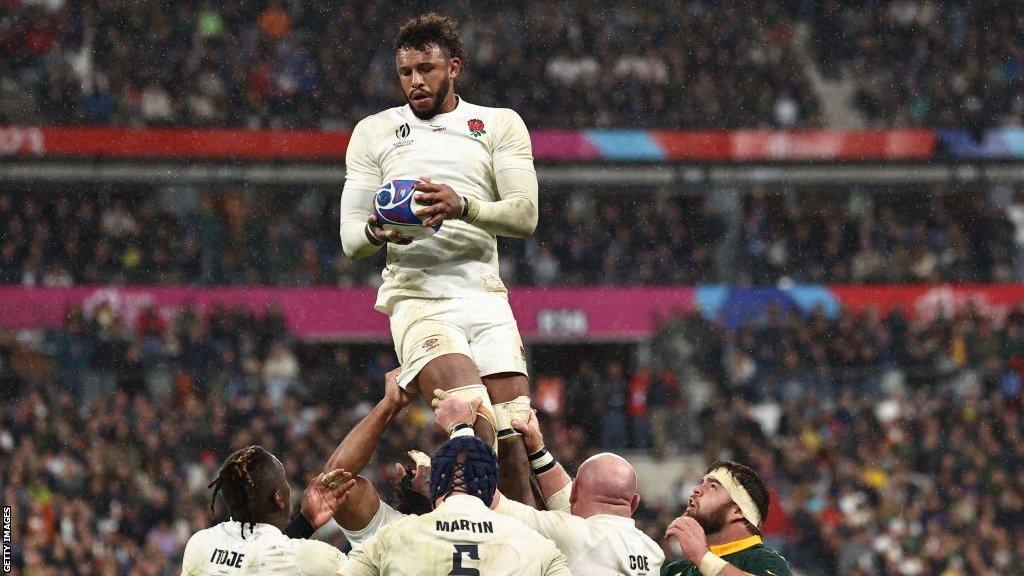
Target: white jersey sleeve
{"points": [[513, 150], [516, 213], [223, 551], [363, 561], [192, 562], [362, 177], [317, 558], [569, 533], [601, 545], [385, 515]]}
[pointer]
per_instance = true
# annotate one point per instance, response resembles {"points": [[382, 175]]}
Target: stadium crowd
{"points": [[892, 445], [287, 63], [275, 63], [239, 237], [954, 64], [931, 236]]}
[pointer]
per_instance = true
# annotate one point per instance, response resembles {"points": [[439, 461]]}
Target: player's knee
{"points": [[505, 387], [449, 370]]}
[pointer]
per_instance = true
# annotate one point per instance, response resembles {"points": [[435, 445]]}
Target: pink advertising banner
{"points": [[347, 313]]}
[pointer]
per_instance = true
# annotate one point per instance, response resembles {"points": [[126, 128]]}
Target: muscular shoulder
{"points": [[315, 558], [763, 561], [381, 122], [521, 531]]}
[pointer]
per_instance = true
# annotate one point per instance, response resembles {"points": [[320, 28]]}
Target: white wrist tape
{"points": [[506, 412], [711, 565], [560, 500], [471, 391], [541, 461]]}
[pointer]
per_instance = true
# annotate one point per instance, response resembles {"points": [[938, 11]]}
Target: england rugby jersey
{"points": [[465, 149], [222, 551], [461, 536], [601, 545]]}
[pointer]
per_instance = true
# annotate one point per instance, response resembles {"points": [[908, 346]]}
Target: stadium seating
{"points": [[887, 442], [232, 238], [277, 64]]}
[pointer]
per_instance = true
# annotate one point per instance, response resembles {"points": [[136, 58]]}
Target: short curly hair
{"points": [[432, 29]]}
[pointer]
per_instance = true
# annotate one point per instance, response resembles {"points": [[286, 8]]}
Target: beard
{"points": [[439, 98], [711, 521]]}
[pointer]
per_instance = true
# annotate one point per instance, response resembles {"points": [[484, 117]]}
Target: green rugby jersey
{"points": [[748, 554]]}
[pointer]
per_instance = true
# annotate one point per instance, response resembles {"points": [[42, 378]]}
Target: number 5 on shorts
{"points": [[470, 550]]}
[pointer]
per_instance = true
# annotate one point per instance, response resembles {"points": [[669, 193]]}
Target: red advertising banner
{"points": [[993, 301], [548, 145], [832, 145], [552, 314], [772, 145], [173, 143]]}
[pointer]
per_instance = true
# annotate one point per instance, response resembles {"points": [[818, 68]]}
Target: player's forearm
{"points": [[554, 481], [515, 214], [551, 476], [355, 212], [355, 242], [359, 444]]}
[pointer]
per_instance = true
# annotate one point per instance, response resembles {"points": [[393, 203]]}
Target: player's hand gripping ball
{"points": [[395, 209]]}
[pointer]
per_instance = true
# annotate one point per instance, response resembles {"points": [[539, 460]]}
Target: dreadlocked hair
{"points": [[235, 484]]}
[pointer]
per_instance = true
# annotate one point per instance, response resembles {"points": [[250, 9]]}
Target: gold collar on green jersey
{"points": [[735, 546]]}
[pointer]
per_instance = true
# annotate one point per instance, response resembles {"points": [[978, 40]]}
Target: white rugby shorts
{"points": [[481, 327]]}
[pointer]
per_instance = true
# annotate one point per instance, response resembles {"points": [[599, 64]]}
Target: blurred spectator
{"points": [[614, 426], [280, 373], [921, 63], [275, 63], [920, 236], [920, 476]]}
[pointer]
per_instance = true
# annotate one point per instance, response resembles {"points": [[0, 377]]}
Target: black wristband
{"points": [[545, 468], [298, 526], [458, 427], [538, 454], [465, 207]]}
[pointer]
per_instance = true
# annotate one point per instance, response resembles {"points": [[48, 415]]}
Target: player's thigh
{"points": [[498, 349], [427, 339]]}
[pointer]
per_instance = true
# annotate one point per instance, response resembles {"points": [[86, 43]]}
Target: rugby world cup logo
{"points": [[392, 202]]}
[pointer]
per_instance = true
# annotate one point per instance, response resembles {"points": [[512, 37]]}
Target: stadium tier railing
{"points": [[598, 157]]}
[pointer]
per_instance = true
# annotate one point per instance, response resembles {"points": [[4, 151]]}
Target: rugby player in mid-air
{"points": [[450, 318], [462, 535], [256, 540], [589, 519]]}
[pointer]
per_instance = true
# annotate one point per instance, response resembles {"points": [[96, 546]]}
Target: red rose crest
{"points": [[476, 127]]}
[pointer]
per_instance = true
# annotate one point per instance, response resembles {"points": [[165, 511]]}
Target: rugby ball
{"points": [[395, 209]]}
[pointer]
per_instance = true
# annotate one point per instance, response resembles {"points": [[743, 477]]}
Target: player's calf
{"points": [[510, 392]]}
